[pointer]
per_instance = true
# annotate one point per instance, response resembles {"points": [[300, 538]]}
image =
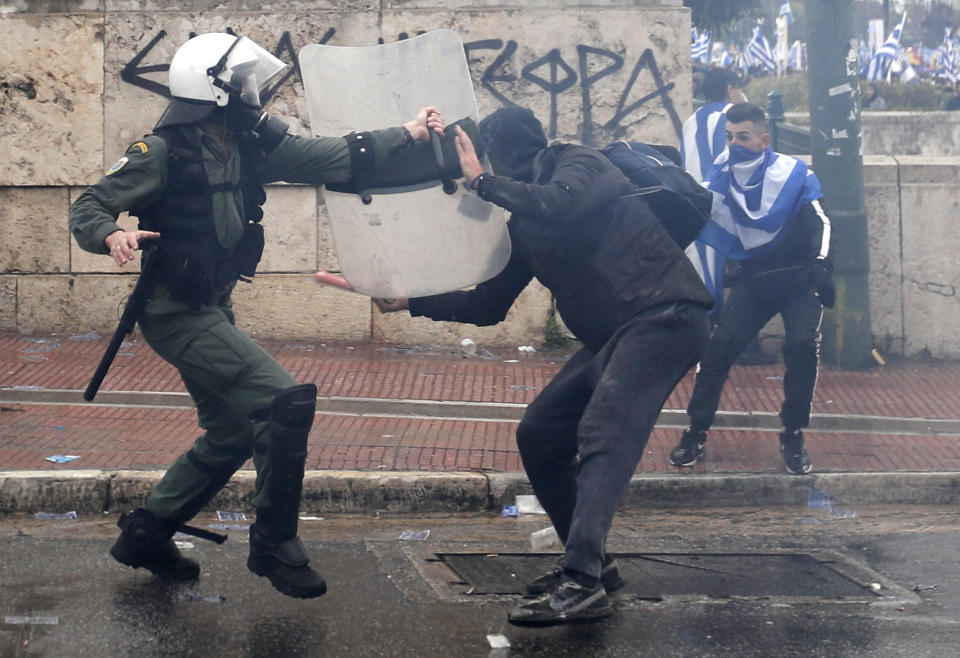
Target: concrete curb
{"points": [[93, 491]]}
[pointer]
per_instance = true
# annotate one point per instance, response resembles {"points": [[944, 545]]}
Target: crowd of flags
{"points": [[756, 53], [880, 64], [944, 62]]}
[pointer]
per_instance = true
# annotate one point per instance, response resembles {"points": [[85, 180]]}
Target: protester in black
{"points": [[627, 292]]}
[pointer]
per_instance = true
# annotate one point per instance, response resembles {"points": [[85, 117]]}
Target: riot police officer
{"points": [[195, 186]]}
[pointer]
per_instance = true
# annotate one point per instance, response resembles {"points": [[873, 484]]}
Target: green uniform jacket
{"points": [[139, 179]]}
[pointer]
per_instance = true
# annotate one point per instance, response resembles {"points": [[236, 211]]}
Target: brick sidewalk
{"points": [[150, 437]]}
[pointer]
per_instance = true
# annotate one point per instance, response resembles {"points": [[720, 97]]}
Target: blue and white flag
{"points": [[756, 197], [700, 48], [951, 65], [758, 51], [879, 66], [948, 58], [704, 138], [786, 11]]}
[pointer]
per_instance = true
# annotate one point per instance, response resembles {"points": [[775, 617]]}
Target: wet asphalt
{"points": [[778, 581]]}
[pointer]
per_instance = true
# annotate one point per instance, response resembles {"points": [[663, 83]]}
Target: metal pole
{"points": [[833, 76]]}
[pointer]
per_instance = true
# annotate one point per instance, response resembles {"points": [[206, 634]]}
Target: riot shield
{"points": [[414, 240]]}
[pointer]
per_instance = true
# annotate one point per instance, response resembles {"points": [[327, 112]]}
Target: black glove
{"points": [[820, 273]]}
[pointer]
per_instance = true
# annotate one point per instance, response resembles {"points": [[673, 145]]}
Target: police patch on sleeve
{"points": [[118, 165]]}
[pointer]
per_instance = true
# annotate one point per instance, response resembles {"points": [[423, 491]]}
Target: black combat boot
{"points": [[275, 550], [146, 541], [285, 563]]}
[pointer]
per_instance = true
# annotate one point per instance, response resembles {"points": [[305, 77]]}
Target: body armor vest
{"points": [[192, 264]]}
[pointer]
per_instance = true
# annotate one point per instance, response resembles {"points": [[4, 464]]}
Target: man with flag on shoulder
{"points": [[702, 142], [768, 217]]}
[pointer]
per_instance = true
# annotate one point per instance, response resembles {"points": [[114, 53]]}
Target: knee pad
{"points": [[294, 407]]}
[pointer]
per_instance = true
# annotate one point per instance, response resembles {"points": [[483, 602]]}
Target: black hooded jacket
{"points": [[580, 232]]}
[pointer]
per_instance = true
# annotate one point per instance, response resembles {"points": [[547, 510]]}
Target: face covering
{"points": [[512, 137]]}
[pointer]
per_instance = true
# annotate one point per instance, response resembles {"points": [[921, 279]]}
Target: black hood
{"points": [[512, 137], [181, 111]]}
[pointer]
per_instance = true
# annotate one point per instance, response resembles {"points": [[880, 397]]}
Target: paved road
{"points": [[791, 581]]}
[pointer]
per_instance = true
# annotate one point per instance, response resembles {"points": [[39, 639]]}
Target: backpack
{"points": [[680, 203]]}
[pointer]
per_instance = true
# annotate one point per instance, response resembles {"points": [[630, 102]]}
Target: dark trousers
{"points": [[743, 315], [582, 437]]}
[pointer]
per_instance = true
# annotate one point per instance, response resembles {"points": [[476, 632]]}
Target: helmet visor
{"points": [[254, 68]]}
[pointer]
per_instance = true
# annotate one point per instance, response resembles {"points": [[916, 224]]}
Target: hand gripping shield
{"points": [[409, 240]]}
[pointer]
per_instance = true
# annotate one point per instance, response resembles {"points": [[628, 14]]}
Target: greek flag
{"points": [[700, 49], [704, 138], [758, 51], [948, 58], [756, 196], [951, 68], [879, 65], [786, 11]]}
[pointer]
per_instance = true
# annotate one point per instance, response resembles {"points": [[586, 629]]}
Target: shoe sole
{"points": [[289, 591], [156, 571]]}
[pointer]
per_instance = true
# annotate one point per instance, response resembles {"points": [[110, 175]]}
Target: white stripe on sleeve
{"points": [[825, 238]]}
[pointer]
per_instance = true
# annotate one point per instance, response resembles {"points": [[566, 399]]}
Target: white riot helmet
{"points": [[208, 68]]}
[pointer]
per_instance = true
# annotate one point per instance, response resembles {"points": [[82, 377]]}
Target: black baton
{"points": [[128, 319]]}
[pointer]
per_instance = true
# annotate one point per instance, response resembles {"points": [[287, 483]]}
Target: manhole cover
{"points": [[656, 575]]}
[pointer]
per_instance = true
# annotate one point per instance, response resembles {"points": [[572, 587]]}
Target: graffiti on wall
{"points": [[550, 72], [555, 76]]}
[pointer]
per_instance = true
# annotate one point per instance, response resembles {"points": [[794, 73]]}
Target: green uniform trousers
{"points": [[233, 383]]}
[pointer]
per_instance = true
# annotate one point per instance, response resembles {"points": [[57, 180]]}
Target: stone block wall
{"points": [[911, 205], [930, 254], [81, 79], [903, 133]]}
